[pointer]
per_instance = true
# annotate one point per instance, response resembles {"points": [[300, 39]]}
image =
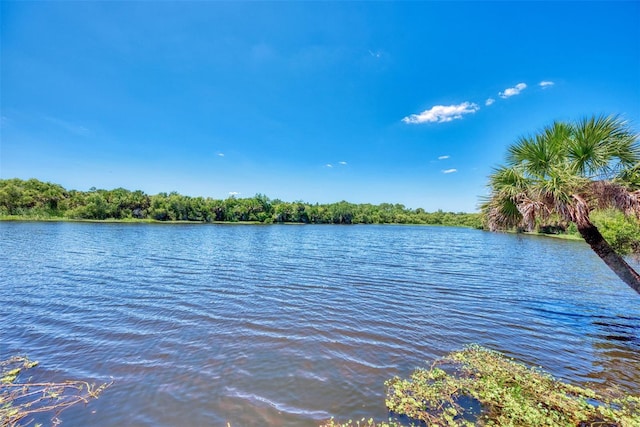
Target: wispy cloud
{"points": [[328, 165], [233, 193], [220, 154], [442, 113], [443, 157], [545, 84], [375, 54], [512, 91], [489, 101], [343, 163], [450, 171]]}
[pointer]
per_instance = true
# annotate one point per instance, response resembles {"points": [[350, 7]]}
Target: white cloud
{"points": [[450, 170], [489, 101], [220, 154], [443, 157], [376, 54], [343, 163], [512, 91], [442, 113], [328, 165], [233, 193], [545, 84]]}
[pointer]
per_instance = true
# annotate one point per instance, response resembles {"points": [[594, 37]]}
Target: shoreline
{"points": [[186, 222], [13, 218]]}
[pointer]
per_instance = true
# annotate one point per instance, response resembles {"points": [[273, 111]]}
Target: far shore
{"points": [[18, 218]]}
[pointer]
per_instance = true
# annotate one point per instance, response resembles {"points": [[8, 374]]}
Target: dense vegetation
{"points": [[42, 200], [34, 199], [477, 386]]}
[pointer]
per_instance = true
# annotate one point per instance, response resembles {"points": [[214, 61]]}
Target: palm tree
{"points": [[570, 169]]}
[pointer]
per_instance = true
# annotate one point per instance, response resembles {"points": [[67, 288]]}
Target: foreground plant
{"points": [[477, 386], [569, 170], [20, 401]]}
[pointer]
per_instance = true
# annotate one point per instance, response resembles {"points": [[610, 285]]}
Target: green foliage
{"points": [[622, 232], [477, 386], [361, 423], [33, 199], [510, 394], [19, 401]]}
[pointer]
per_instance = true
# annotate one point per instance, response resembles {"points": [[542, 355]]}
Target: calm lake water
{"points": [[290, 325]]}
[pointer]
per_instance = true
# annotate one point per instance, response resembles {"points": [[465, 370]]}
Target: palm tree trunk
{"points": [[601, 247]]}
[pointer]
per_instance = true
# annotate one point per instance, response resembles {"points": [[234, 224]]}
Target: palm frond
{"points": [[502, 214], [522, 150], [508, 181], [602, 146], [629, 177], [613, 195], [532, 210], [537, 154]]}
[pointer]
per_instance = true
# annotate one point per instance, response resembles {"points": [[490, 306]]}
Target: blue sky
{"points": [[369, 102]]}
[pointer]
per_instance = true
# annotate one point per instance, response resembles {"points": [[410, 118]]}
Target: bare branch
{"points": [[23, 400]]}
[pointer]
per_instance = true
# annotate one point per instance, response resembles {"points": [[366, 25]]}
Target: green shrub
{"points": [[622, 232]]}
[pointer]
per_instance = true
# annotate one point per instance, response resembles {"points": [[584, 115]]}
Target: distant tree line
{"points": [[43, 200]]}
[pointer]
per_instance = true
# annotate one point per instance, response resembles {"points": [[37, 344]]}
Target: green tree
{"points": [[159, 207], [217, 209], [569, 169], [283, 211], [10, 196]]}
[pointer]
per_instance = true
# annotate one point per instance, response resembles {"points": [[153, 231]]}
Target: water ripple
{"points": [[287, 326]]}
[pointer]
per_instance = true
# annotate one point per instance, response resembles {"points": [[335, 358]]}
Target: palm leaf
{"points": [[603, 146]]}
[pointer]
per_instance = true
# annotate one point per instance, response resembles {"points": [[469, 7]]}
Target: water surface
{"points": [[291, 325]]}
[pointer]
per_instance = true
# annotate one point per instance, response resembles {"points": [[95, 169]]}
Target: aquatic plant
{"points": [[21, 400], [477, 386]]}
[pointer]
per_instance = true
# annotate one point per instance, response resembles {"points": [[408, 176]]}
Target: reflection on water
{"points": [[288, 326]]}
